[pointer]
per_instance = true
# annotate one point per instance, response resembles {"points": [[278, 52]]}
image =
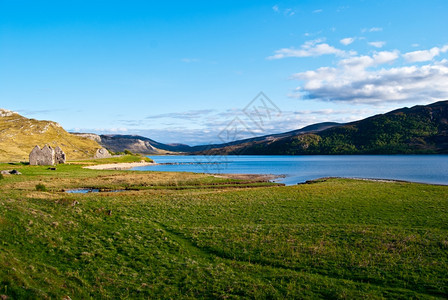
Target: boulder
{"points": [[102, 153], [10, 172]]}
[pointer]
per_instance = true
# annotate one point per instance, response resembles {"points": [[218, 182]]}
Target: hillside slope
{"points": [[133, 143], [265, 139], [18, 136], [420, 129]]}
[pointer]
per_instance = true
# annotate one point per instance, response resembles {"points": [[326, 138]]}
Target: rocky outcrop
{"points": [[135, 144], [90, 136], [6, 112], [47, 156], [102, 153]]}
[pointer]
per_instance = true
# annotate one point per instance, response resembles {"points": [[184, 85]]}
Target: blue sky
{"points": [[181, 71]]}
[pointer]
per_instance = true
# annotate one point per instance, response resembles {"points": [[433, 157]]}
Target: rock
{"points": [[46, 156], [6, 112], [102, 153], [10, 172]]}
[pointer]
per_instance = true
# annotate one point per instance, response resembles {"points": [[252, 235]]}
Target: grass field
{"points": [[184, 235]]}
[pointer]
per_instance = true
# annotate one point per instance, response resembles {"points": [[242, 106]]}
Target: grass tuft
{"points": [[41, 187]]}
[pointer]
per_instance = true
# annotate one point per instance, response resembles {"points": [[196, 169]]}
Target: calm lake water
{"points": [[416, 168]]}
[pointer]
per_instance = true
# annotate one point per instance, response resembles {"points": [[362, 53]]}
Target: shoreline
{"points": [[128, 166], [384, 180], [256, 177], [119, 166], [248, 176]]}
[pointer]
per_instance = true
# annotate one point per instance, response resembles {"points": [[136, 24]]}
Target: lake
{"points": [[297, 169]]}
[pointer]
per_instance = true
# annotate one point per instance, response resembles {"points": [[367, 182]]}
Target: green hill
{"points": [[420, 129], [18, 136]]}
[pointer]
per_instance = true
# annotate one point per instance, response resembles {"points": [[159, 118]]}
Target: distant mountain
{"points": [[134, 143], [265, 138], [420, 129], [19, 135], [144, 145]]}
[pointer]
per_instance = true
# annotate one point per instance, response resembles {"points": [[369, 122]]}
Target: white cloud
{"points": [[310, 48], [185, 115], [365, 61], [286, 11], [105, 130], [425, 55], [347, 41], [385, 57], [289, 12], [313, 33], [317, 11], [378, 44], [373, 29], [360, 80]]}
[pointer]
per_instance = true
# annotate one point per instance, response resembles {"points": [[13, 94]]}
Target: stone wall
{"points": [[46, 156], [59, 155]]}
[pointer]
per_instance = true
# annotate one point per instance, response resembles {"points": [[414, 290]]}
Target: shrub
{"points": [[127, 152], [41, 187]]}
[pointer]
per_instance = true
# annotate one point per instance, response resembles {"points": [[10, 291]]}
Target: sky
{"points": [[192, 71]]}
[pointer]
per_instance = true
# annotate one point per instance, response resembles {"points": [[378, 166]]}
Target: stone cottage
{"points": [[47, 156]]}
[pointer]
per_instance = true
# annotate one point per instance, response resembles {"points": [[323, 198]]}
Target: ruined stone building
{"points": [[46, 156]]}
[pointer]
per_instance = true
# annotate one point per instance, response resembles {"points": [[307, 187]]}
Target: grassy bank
{"points": [[176, 235]]}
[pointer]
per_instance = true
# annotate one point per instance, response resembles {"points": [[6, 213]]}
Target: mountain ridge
{"points": [[145, 145], [421, 129], [418, 129]]}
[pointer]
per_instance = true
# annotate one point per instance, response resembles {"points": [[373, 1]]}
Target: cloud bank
{"points": [[425, 55], [311, 48], [380, 77], [354, 81]]}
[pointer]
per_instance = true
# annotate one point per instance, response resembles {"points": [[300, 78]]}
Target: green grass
{"points": [[333, 239], [129, 158], [41, 187]]}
